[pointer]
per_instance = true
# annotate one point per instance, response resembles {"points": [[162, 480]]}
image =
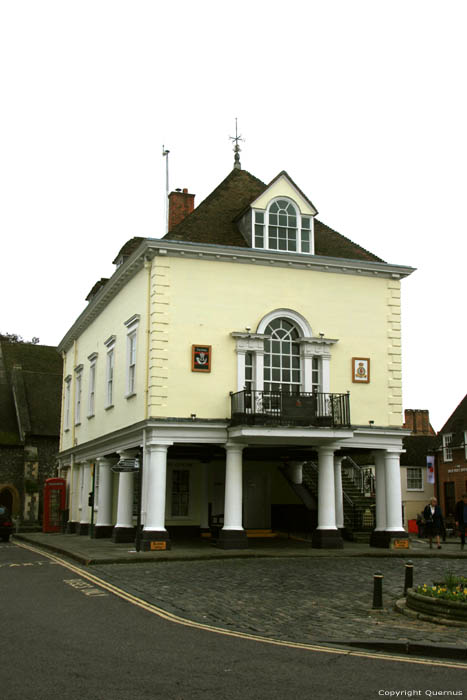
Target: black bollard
{"points": [[408, 583], [378, 591]]}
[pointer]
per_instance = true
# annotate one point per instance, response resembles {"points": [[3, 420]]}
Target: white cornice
{"points": [[154, 247]]}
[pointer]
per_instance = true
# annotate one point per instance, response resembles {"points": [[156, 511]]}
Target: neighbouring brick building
{"points": [[452, 459], [30, 387], [415, 485]]}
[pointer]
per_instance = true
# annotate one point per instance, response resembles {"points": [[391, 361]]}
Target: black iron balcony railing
{"points": [[316, 409]]}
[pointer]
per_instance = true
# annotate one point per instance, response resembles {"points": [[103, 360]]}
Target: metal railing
{"points": [[362, 478], [316, 409]]}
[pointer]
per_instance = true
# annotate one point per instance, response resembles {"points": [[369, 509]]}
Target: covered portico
{"points": [[215, 453]]}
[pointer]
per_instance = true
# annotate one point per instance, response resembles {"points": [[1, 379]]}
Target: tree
{"points": [[15, 338]]}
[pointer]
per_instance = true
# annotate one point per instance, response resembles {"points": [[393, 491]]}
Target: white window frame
{"points": [[447, 447], [78, 393], [299, 215], [413, 488], [189, 469], [132, 333], [110, 372], [92, 385], [67, 404]]}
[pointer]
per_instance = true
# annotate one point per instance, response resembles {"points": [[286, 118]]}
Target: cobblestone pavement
{"points": [[294, 599]]}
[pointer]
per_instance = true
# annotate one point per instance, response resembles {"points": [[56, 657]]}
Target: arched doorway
{"points": [[9, 497]]}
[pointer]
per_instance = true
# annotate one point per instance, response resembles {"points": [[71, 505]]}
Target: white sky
{"points": [[362, 102]]}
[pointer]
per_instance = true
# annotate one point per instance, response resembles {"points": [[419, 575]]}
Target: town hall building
{"points": [[219, 363]]}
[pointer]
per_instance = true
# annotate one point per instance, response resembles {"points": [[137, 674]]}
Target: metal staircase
{"points": [[358, 496]]}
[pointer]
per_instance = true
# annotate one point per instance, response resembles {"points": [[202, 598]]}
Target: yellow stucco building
{"points": [[217, 361]]}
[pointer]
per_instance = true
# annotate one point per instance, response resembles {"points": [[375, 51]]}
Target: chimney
{"points": [[418, 421], [180, 205]]}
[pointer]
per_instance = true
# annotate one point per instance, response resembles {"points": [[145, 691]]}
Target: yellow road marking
{"points": [[149, 607]]}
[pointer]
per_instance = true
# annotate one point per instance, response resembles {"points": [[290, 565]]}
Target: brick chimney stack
{"points": [[180, 205], [418, 421]]}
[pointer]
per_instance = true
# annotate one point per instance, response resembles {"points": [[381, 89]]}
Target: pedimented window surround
{"points": [[310, 347]]}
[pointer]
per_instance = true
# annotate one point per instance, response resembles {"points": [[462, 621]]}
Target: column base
{"points": [[123, 534], [232, 539], [71, 527], [82, 528], [389, 540], [100, 531], [155, 541], [327, 539]]}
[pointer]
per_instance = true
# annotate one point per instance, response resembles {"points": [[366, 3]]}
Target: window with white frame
{"points": [[447, 447], [92, 385], [180, 497], [282, 227], [67, 403], [78, 393], [109, 374], [414, 479], [282, 370], [132, 330]]}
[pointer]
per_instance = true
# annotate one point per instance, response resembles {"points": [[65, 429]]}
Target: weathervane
{"points": [[237, 148]]}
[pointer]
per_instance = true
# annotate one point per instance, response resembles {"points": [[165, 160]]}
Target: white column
{"points": [[338, 491], [380, 491], [104, 494], [295, 472], [393, 493], [240, 369], [125, 500], [233, 487], [204, 515], [325, 372], [258, 358], [74, 502], [155, 464], [85, 517], [326, 490]]}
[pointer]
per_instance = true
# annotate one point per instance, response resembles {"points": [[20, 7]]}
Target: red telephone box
{"points": [[54, 504]]}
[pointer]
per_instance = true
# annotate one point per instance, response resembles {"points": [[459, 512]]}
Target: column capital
{"points": [[104, 461], [234, 446], [159, 446]]}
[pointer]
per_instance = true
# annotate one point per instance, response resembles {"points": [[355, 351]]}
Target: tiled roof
{"points": [[213, 221], [33, 373], [457, 423], [416, 449]]}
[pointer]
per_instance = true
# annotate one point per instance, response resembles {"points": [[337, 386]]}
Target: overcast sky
{"points": [[362, 102]]}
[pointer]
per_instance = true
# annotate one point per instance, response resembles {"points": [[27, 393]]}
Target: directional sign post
{"points": [[126, 465]]}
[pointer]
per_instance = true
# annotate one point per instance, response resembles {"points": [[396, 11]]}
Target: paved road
{"points": [[65, 638], [304, 600]]}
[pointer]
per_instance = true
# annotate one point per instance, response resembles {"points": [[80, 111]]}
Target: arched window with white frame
{"points": [[282, 227]]}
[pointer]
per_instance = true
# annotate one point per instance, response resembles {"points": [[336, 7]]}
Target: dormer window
{"points": [[282, 227]]}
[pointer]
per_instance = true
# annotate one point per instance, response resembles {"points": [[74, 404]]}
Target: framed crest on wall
{"points": [[200, 358], [361, 370]]}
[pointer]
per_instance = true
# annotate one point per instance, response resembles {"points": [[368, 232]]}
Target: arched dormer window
{"points": [[282, 227]]}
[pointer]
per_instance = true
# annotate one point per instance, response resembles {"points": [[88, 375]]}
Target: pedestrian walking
{"points": [[461, 517], [434, 522]]}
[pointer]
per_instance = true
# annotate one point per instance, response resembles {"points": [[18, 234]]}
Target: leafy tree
{"points": [[15, 338]]}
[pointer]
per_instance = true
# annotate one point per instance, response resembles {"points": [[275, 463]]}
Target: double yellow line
{"points": [[170, 617]]}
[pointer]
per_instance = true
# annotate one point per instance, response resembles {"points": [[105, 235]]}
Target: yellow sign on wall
{"points": [[158, 545]]}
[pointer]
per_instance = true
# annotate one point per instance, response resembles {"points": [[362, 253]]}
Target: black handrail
{"points": [[318, 409]]}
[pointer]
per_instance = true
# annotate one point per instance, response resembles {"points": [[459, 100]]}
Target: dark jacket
{"points": [[459, 513], [436, 520]]}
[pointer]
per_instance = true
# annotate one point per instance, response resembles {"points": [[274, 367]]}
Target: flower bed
{"points": [[443, 601]]}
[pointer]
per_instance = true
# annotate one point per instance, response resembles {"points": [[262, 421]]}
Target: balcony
{"points": [[316, 409]]}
